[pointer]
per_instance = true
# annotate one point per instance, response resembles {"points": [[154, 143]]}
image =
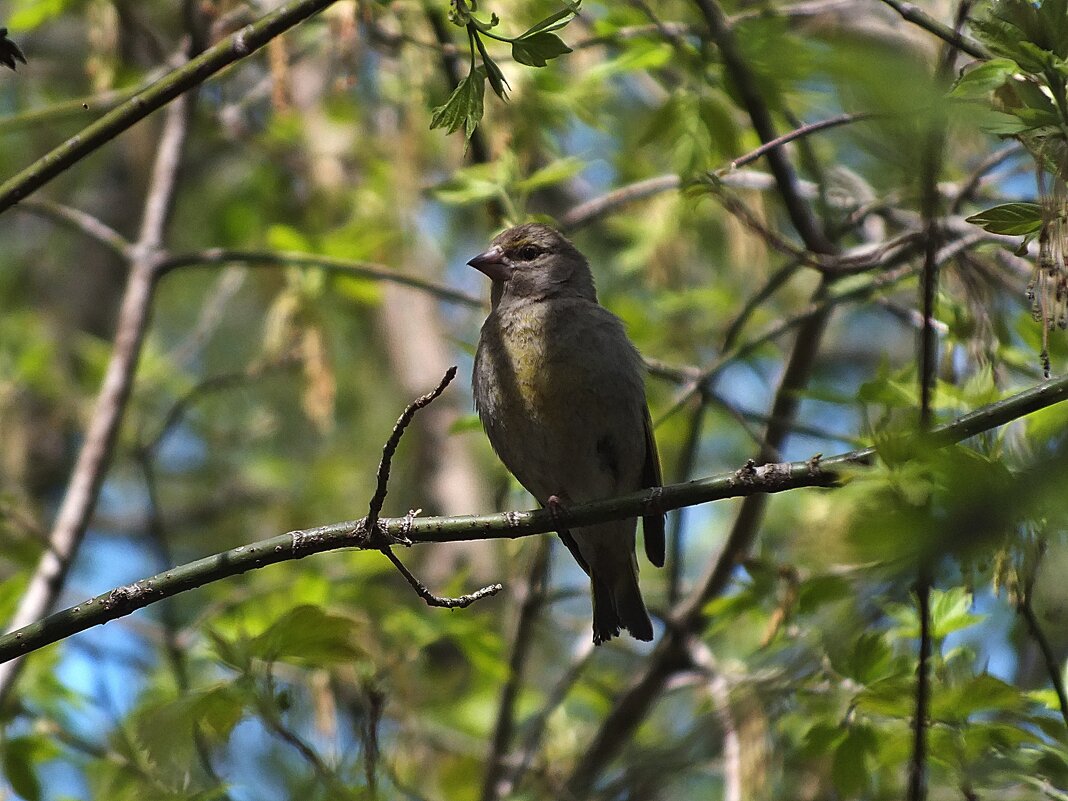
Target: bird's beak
{"points": [[493, 263]]}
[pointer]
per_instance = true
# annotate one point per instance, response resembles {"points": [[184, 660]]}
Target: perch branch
{"points": [[750, 480]]}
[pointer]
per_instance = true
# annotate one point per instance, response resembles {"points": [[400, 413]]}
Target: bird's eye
{"points": [[529, 252]]}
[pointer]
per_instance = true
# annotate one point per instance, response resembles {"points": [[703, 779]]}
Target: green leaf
{"points": [[464, 107], [307, 634], [980, 81], [29, 14], [869, 660], [1010, 219], [981, 694], [849, 770], [554, 173], [536, 50], [20, 762], [498, 83], [554, 21], [951, 611]]}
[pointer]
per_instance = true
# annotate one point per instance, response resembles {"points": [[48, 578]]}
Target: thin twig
{"points": [[370, 524], [535, 726], [585, 213], [917, 16], [797, 133], [917, 779], [359, 269], [390, 448], [533, 600], [745, 83], [438, 601], [92, 227], [683, 471], [214, 383]]}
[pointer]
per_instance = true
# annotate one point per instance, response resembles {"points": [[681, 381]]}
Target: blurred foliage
{"points": [[264, 394]]}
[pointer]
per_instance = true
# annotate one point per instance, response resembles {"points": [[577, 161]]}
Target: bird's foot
{"points": [[556, 507]]}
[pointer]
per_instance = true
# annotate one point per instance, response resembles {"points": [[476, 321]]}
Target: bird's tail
{"points": [[618, 604]]}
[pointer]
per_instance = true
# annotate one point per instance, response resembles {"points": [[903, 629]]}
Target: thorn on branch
{"points": [[378, 537]]}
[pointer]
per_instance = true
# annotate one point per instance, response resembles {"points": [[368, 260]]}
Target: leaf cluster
{"points": [[535, 47]]}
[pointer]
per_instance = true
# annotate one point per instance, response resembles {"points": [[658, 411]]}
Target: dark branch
{"points": [[379, 537]]}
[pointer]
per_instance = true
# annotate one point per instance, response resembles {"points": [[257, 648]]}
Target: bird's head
{"points": [[533, 262]]}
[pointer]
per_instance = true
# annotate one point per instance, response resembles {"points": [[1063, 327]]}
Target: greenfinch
{"points": [[559, 389]]}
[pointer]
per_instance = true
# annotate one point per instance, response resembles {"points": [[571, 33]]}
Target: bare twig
{"points": [[719, 693], [917, 779], [800, 214], [535, 726], [92, 227], [211, 384], [797, 133], [917, 16], [390, 448], [585, 213], [683, 471], [359, 269], [370, 524], [441, 602]]}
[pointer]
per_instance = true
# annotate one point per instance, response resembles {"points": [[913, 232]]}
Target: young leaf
{"points": [[493, 74], [537, 49], [460, 12], [554, 21], [464, 107], [9, 51], [1010, 219]]}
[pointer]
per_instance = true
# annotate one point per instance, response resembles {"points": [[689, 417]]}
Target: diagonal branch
{"points": [[751, 480], [233, 48], [78, 503], [379, 537]]}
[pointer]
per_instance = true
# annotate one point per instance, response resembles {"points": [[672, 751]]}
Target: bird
{"points": [[560, 391]]}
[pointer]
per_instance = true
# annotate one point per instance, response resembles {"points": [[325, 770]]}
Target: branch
{"points": [[390, 448], [95, 455], [359, 269], [235, 47], [748, 481], [1026, 610], [370, 527], [738, 71], [585, 213], [83, 222], [917, 16], [797, 133]]}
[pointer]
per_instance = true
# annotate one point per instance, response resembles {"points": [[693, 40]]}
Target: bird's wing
{"points": [[652, 525]]}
